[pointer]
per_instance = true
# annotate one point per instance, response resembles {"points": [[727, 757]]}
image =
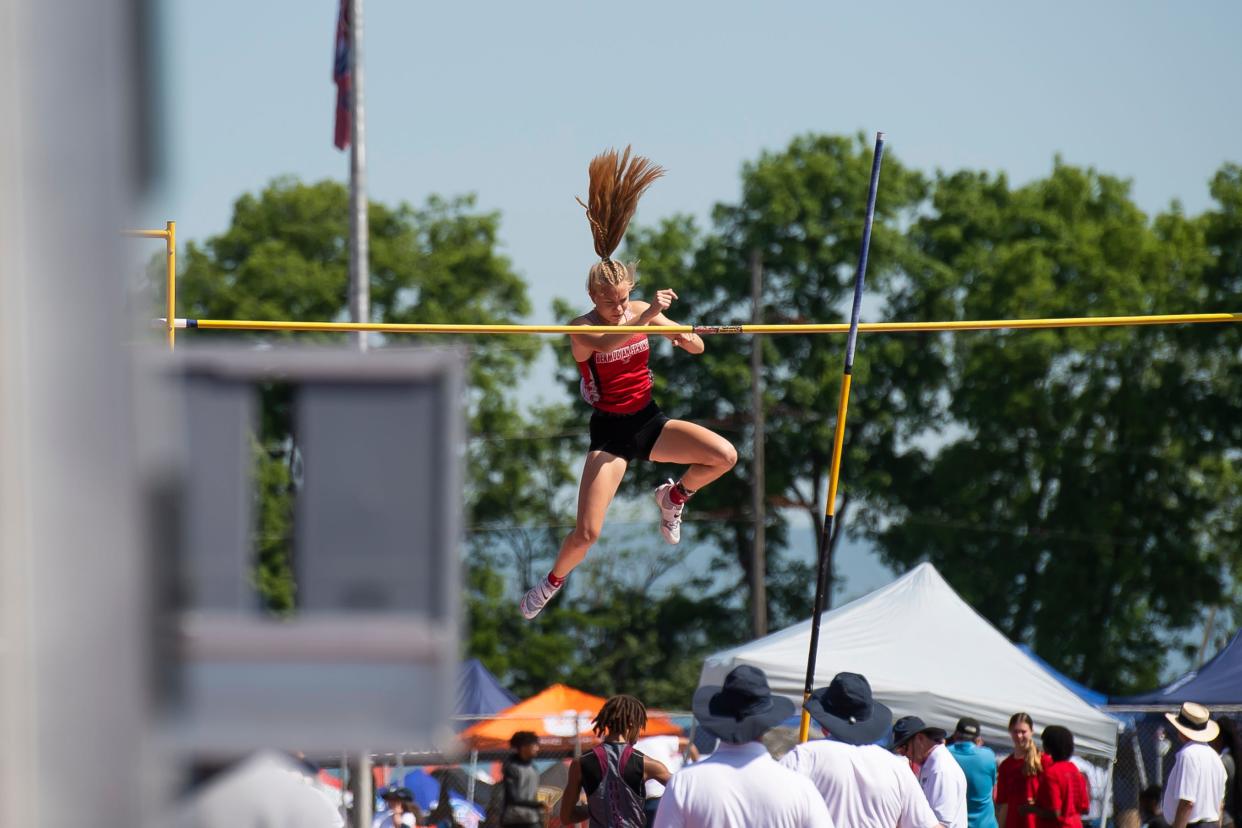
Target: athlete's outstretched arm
{"points": [[603, 343], [691, 343]]}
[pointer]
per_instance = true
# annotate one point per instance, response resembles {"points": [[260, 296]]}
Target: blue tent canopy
{"points": [[1092, 697], [1218, 682], [478, 691], [425, 789]]}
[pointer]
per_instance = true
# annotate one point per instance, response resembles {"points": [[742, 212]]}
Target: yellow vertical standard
{"points": [[170, 240]]}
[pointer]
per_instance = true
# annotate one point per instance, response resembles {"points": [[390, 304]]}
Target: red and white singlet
{"points": [[618, 382]]}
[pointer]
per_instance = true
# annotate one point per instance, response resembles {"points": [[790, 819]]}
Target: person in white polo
{"points": [[1196, 786], [863, 785], [740, 785], [941, 776]]}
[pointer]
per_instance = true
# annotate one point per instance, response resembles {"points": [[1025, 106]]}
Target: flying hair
{"points": [[617, 181]]}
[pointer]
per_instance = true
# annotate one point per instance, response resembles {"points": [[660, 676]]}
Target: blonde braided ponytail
{"points": [[616, 182]]}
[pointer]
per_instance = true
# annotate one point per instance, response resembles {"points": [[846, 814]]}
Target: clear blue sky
{"points": [[510, 100]]}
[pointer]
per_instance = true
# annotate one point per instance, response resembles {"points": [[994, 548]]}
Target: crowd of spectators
{"points": [[867, 770]]}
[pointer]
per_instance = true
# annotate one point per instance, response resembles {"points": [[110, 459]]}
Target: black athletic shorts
{"points": [[629, 436]]}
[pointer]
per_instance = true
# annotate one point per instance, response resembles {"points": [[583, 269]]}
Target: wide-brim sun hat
{"points": [[1194, 721], [907, 727], [847, 710], [397, 792], [743, 708]]}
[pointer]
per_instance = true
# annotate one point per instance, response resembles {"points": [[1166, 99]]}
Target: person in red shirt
{"points": [[1019, 775], [626, 424], [1062, 796]]}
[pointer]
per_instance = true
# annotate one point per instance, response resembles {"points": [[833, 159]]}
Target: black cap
{"points": [[968, 727]]}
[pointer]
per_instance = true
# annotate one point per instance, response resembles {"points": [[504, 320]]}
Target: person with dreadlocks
{"points": [[626, 424], [612, 775]]}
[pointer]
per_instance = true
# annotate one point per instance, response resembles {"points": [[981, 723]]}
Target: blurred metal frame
{"points": [[376, 553]]}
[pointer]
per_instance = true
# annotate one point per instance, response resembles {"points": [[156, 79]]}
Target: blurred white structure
{"points": [[107, 687], [925, 652], [75, 654]]}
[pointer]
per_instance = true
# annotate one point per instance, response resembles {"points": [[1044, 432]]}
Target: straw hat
{"points": [[1194, 721]]}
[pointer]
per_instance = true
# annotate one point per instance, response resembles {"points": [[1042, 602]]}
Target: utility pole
{"points": [[359, 269], [758, 567]]}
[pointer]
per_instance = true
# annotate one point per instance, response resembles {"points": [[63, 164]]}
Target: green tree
{"points": [[1221, 290], [1070, 488], [285, 256], [1080, 487]]}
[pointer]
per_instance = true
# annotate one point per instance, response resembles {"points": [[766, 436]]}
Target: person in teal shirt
{"points": [[979, 765]]}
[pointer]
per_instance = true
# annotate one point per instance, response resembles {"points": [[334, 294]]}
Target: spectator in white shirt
{"points": [[863, 785], [1196, 785], [1100, 808], [740, 785], [940, 775], [673, 752]]}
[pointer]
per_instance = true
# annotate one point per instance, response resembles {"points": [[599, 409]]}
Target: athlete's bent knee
{"points": [[727, 456], [586, 535]]}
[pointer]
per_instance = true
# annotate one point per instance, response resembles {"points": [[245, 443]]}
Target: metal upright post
{"points": [[758, 569], [362, 789], [170, 241], [359, 268]]}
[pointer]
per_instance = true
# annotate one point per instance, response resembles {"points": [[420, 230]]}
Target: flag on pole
{"points": [[341, 75]]}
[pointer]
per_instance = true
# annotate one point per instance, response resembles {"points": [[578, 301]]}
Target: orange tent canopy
{"points": [[561, 717]]}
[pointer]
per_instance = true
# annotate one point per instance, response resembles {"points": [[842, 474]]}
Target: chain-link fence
{"points": [[1145, 755]]}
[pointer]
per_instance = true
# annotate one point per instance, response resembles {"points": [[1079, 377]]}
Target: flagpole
{"points": [[359, 297], [359, 289], [838, 437], [359, 270]]}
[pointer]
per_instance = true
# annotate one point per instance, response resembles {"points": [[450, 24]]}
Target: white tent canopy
{"points": [[925, 652]]}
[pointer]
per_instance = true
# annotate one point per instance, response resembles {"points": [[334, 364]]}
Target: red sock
{"points": [[555, 581], [679, 494]]}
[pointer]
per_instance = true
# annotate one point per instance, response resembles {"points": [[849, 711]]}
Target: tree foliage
{"points": [[1081, 488], [285, 256], [1076, 474]]}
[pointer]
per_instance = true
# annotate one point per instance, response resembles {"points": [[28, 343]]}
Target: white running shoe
{"points": [[537, 597], [670, 513]]}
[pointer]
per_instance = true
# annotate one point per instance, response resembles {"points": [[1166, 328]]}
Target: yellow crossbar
{"points": [[829, 328]]}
